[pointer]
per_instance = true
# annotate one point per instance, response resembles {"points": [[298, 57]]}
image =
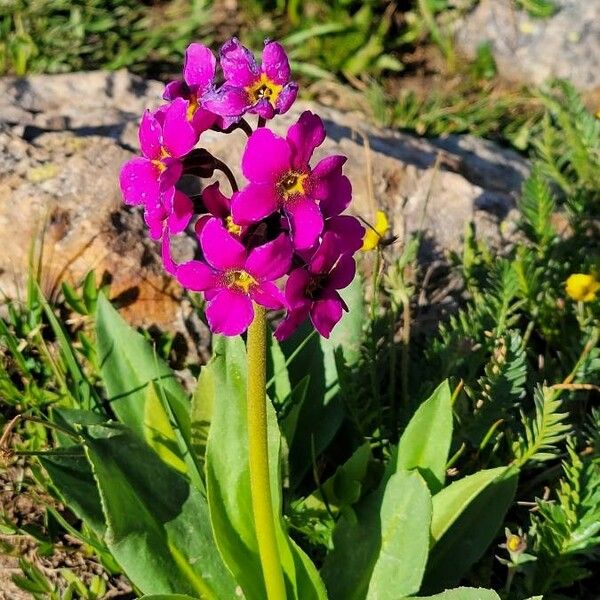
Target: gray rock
{"points": [[533, 50], [63, 139]]}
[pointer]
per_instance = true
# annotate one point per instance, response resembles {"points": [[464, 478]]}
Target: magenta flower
{"points": [[198, 76], [171, 213], [165, 137], [265, 90], [218, 205], [281, 179], [312, 290], [232, 278]]}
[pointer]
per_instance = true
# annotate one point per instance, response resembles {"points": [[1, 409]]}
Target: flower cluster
{"points": [[286, 225]]}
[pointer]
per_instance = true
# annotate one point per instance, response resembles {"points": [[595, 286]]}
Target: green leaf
{"points": [[159, 432], [82, 390], [466, 518], [167, 597], [278, 381], [320, 415], [405, 520], [73, 479], [201, 412], [454, 499], [128, 366], [387, 536], [228, 484], [463, 593], [425, 443], [158, 526]]}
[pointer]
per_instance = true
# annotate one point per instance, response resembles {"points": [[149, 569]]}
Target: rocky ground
{"points": [[531, 50]]}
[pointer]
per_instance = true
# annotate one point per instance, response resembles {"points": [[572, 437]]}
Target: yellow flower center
{"points": [[240, 279], [264, 88], [581, 287], [232, 227], [158, 162], [514, 543], [192, 107], [292, 184]]}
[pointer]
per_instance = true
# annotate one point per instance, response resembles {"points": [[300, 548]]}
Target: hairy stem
{"points": [[262, 503]]}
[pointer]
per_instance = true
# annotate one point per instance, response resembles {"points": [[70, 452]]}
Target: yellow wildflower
{"points": [[375, 234], [582, 287]]}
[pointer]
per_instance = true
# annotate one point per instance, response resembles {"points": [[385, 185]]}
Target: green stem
{"points": [[262, 503]]}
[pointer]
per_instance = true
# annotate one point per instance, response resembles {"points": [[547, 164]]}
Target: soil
{"points": [[23, 507]]}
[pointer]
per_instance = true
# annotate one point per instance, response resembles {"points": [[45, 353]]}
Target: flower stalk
{"points": [[262, 503]]}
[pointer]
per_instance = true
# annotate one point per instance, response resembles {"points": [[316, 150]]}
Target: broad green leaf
{"points": [[228, 484], [320, 415], [159, 432], [479, 517], [167, 597], [277, 372], [425, 443], [201, 412], [405, 520], [454, 499], [358, 538], [72, 477], [70, 471], [463, 593], [128, 365], [158, 527], [344, 487]]}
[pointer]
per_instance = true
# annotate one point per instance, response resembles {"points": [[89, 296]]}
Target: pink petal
{"points": [[181, 212], [215, 202], [170, 176], [263, 108], [175, 89], [304, 136], [286, 98], [326, 255], [335, 193], [295, 287], [179, 136], [291, 322], [349, 232], [203, 120], [275, 63], [325, 314], [201, 222], [149, 135], [221, 250], [154, 221], [168, 263], [229, 101], [267, 294], [253, 203], [139, 181], [230, 312], [266, 157], [196, 276], [343, 273], [329, 165], [271, 260], [199, 66], [238, 64], [306, 222]]}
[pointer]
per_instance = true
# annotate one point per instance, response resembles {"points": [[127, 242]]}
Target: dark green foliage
{"points": [[54, 36]]}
